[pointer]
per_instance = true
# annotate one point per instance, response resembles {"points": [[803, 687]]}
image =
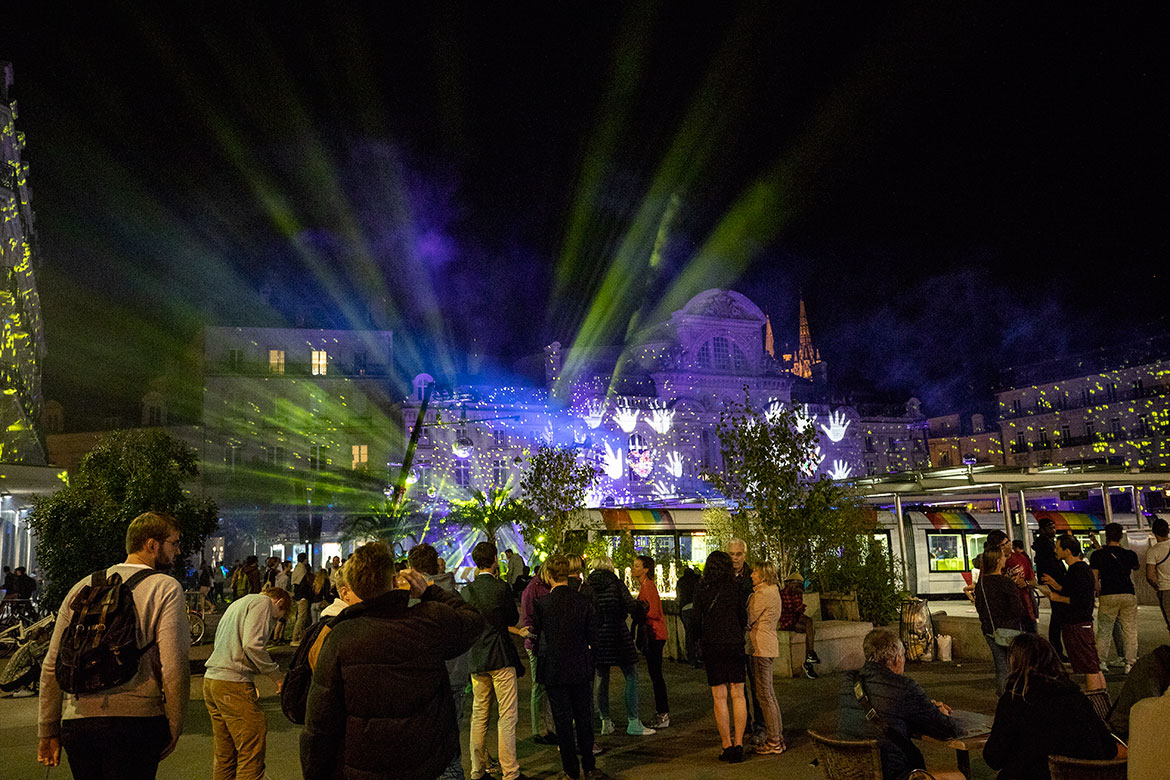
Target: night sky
{"points": [[954, 188]]}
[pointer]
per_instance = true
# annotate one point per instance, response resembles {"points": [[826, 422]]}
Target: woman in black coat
{"points": [[998, 603], [1043, 714], [720, 617], [616, 645]]}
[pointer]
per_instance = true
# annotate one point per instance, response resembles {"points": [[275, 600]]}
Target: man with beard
{"points": [[127, 729]]}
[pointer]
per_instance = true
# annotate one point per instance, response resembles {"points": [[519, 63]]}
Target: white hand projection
{"points": [[837, 426], [614, 462], [661, 419], [674, 464], [626, 418], [840, 470], [594, 412]]}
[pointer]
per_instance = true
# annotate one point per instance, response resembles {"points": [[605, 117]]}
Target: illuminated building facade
{"points": [[645, 414], [1115, 410], [893, 439], [22, 340], [951, 445], [298, 431]]}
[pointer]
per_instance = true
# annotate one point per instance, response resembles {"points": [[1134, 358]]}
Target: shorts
{"points": [[1080, 643], [725, 664]]}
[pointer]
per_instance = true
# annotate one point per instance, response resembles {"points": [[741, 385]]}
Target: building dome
{"points": [[724, 304]]}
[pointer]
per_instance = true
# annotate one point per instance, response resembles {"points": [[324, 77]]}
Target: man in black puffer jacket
{"points": [[380, 704]]}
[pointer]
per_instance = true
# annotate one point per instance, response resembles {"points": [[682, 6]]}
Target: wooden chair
{"points": [[1064, 768], [847, 760]]}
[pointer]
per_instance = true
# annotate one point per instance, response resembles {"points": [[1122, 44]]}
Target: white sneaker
{"points": [[638, 729], [661, 721], [1104, 666], [606, 726], [1128, 668]]}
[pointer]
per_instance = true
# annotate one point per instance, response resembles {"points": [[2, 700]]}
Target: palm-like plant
{"points": [[387, 524], [488, 512]]}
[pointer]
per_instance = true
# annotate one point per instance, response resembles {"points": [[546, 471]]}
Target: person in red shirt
{"points": [[643, 571], [1018, 568]]}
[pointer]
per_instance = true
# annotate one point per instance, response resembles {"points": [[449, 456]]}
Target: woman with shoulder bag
{"points": [[1001, 613]]}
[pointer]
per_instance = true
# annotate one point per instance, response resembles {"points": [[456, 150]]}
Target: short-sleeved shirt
{"points": [[1018, 564], [1159, 555], [1115, 566]]}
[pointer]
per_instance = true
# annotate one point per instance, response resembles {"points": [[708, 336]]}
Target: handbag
{"points": [[1002, 636]]}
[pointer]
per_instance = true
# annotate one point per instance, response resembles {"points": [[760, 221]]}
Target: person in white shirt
{"points": [[238, 728], [1158, 565]]}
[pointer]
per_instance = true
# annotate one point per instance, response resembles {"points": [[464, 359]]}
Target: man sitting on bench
{"points": [[792, 618]]}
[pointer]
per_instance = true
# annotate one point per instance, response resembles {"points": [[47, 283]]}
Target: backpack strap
{"points": [[139, 576], [912, 753]]}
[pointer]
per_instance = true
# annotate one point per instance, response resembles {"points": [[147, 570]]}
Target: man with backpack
{"points": [[119, 720], [239, 729]]}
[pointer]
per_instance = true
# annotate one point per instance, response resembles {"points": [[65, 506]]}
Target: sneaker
{"points": [[726, 754], [1128, 668], [736, 755], [812, 656], [1104, 666], [606, 726], [771, 749], [24, 693], [809, 672], [638, 729], [661, 721], [597, 749]]}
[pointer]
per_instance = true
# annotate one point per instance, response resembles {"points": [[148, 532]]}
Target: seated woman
{"points": [[1043, 714]]}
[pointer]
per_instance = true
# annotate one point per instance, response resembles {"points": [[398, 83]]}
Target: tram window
{"points": [[657, 546], [946, 552], [975, 546], [693, 549]]}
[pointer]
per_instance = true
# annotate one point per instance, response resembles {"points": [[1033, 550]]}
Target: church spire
{"points": [[806, 355], [769, 343]]}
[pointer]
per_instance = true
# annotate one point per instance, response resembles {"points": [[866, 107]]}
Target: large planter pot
{"points": [[839, 606]]}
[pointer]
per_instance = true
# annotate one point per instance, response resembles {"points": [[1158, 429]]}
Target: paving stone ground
{"points": [[686, 751]]}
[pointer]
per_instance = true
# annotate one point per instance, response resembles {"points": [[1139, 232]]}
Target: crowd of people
{"points": [[386, 652]]}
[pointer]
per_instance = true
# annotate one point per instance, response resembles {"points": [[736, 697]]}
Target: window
{"points": [[1062, 401], [1021, 442], [315, 457], [499, 472], [1041, 405], [1016, 408], [500, 438], [276, 361], [1086, 396], [1143, 425], [722, 349], [275, 456], [946, 552], [359, 363], [917, 444], [424, 476], [869, 444], [1065, 432], [235, 359], [1111, 391], [1137, 388], [870, 468], [636, 442], [319, 362], [975, 546], [1042, 439], [738, 359], [1115, 426], [360, 456], [703, 358], [154, 415], [944, 459], [463, 473], [231, 456], [1090, 429], [891, 445]]}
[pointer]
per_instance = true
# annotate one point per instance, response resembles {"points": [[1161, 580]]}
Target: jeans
{"points": [[755, 719], [454, 770], [766, 692], [538, 706], [999, 655], [501, 682], [239, 731], [571, 713], [654, 667], [114, 748], [631, 674], [1113, 609]]}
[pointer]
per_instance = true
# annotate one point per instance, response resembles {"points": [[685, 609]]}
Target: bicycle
{"points": [[195, 617], [18, 632]]}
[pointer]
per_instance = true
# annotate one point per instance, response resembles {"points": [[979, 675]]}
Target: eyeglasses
{"points": [[172, 542]]}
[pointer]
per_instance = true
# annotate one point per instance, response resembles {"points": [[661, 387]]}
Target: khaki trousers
{"points": [[503, 683], [238, 729], [1117, 607]]}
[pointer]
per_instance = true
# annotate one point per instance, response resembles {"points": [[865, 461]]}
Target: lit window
{"points": [[319, 361], [276, 361], [463, 473], [360, 455], [499, 472]]}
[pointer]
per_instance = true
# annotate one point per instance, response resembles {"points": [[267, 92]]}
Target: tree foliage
{"points": [[553, 490], [489, 512], [785, 514], [385, 523], [82, 527]]}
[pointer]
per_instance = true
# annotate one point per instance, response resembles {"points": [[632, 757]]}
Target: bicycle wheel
{"points": [[197, 627]]}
